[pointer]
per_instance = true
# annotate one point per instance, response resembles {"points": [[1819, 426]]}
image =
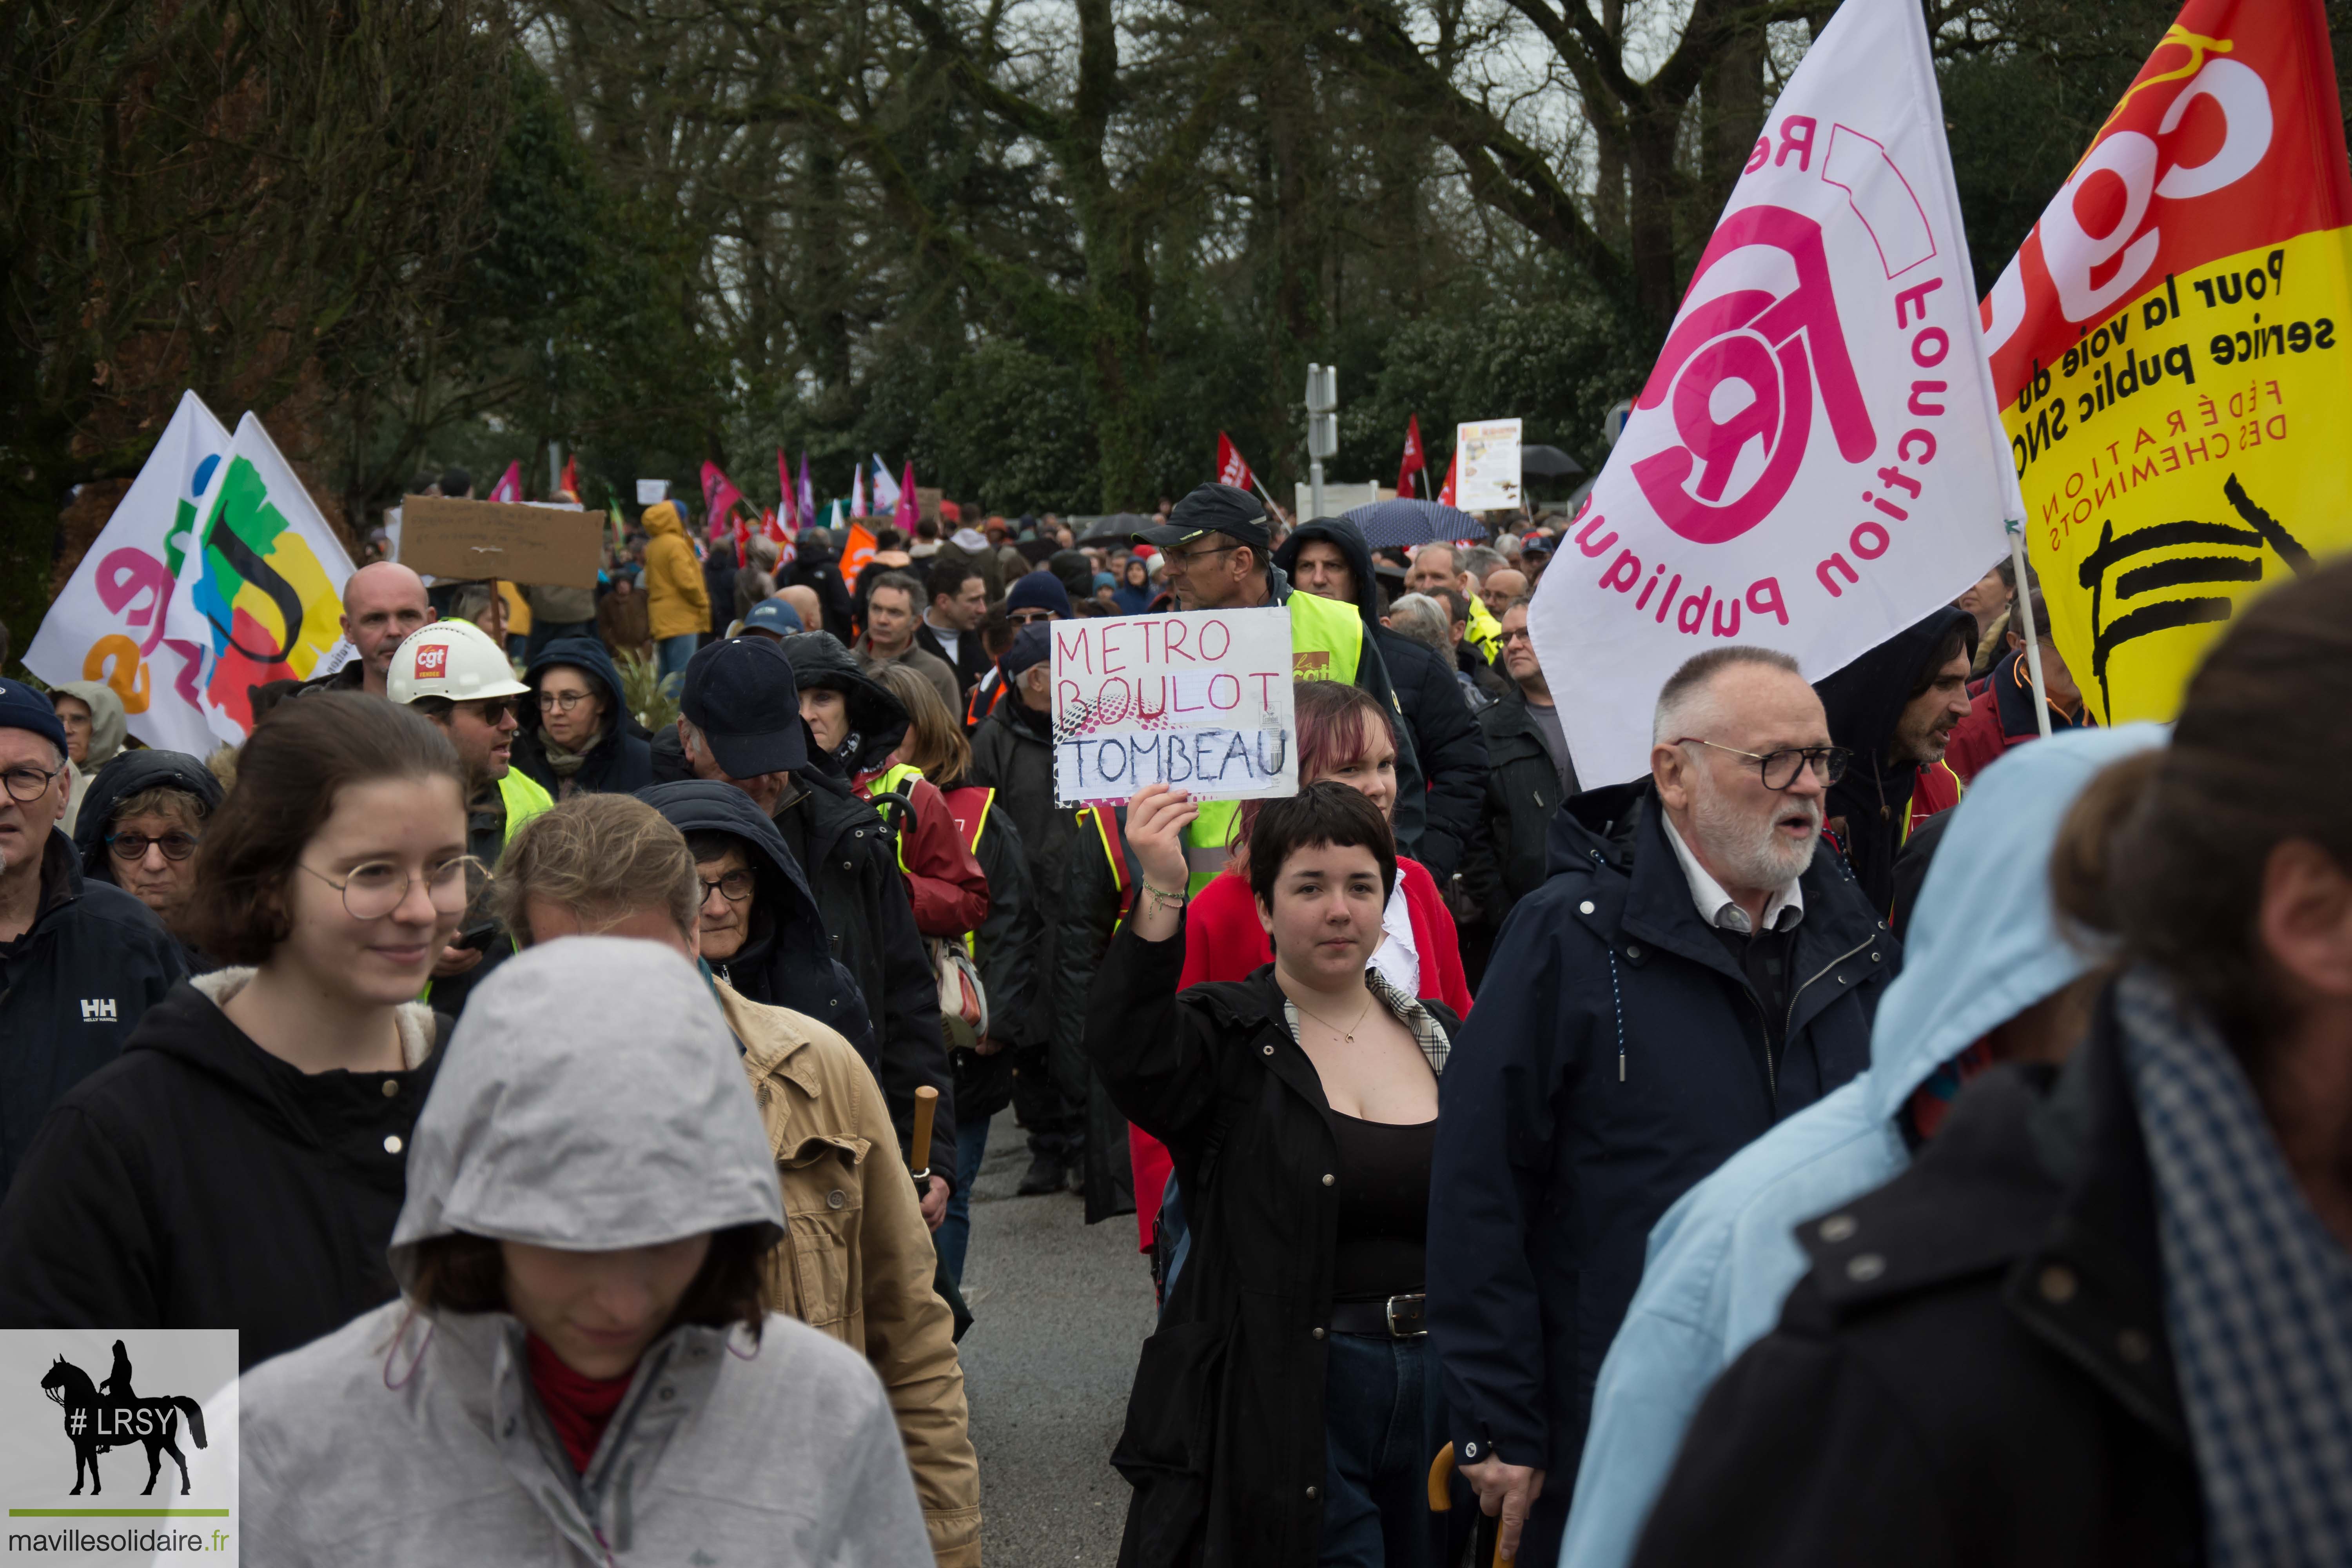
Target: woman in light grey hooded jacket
{"points": [[590, 1112]]}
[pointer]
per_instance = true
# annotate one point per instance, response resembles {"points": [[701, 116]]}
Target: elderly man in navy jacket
{"points": [[1698, 965]]}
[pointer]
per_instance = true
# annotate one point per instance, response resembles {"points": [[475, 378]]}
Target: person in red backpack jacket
{"points": [[1344, 735]]}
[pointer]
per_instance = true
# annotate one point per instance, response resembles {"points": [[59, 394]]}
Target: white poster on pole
{"points": [[651, 490], [110, 623], [1199, 699], [1490, 464], [1816, 461]]}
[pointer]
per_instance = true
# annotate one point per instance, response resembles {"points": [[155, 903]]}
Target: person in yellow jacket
{"points": [[858, 1262], [452, 672], [677, 602], [1219, 555]]}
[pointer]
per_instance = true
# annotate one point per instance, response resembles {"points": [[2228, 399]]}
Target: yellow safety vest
{"points": [[1327, 641], [1484, 632], [899, 778]]}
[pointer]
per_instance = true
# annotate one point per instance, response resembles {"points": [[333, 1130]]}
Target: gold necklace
{"points": [[1347, 1036]]}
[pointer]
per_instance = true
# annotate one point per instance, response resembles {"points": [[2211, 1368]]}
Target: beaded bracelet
{"points": [[1163, 900]]}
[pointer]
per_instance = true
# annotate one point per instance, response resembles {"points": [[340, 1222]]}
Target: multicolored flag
{"points": [[262, 593], [2167, 347], [1816, 461], [110, 622], [1416, 460], [620, 531], [509, 486], [885, 490]]}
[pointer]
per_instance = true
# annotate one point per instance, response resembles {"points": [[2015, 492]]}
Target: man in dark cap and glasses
{"points": [[1219, 551]]}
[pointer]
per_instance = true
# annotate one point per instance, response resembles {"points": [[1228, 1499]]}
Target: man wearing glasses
{"points": [[455, 674], [79, 961], [1698, 965]]}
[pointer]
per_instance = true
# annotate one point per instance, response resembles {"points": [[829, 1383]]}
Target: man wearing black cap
{"points": [[739, 722], [1219, 557], [79, 960]]}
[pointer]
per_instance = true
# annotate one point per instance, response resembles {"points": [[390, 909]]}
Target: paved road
{"points": [[1058, 1310]]}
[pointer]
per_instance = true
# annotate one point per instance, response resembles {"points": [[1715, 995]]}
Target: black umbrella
{"points": [[1548, 463], [1404, 520], [1037, 550], [1116, 529]]}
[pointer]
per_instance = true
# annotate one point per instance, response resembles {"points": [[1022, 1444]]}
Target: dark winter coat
{"points": [[816, 569], [1013, 753], [845, 854], [1005, 948], [1865, 702], [73, 989], [199, 1183], [1225, 1437], [1089, 902], [1994, 1385], [622, 760], [1619, 1057], [970, 663], [719, 570], [787, 960], [1446, 744], [1523, 794]]}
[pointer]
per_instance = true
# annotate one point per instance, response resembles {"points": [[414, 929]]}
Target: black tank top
{"points": [[1383, 1189]]}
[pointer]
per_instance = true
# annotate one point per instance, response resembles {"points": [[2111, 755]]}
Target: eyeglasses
{"points": [[132, 847], [28, 784], [1023, 618], [734, 887], [1780, 769], [559, 701], [1521, 634], [1182, 560], [374, 890]]}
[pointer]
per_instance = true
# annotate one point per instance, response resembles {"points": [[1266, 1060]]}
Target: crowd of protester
{"points": [[1845, 1142]]}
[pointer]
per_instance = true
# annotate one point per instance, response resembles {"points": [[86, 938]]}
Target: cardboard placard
{"points": [[1199, 699], [468, 540]]}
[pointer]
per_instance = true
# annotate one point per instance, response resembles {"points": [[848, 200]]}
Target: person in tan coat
{"points": [[677, 603], [858, 1263]]}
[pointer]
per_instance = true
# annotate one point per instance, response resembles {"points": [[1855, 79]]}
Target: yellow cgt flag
{"points": [[2169, 347]]}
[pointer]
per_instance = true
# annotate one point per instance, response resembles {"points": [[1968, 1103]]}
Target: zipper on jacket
{"points": [[1788, 1023]]}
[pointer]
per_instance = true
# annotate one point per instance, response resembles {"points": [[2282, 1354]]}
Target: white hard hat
{"points": [[455, 659]]}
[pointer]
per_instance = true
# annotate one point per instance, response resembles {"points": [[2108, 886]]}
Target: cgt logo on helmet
{"points": [[1764, 352], [432, 660]]}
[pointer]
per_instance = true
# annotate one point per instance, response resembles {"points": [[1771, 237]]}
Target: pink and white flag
{"points": [[1816, 461], [508, 489]]}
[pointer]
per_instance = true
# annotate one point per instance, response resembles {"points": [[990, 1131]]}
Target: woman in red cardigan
{"points": [[1345, 736]]}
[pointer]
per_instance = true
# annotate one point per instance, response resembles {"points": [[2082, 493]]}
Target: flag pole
{"points": [[2024, 603]]}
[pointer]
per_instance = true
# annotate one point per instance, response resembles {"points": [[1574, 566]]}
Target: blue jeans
{"points": [[671, 654], [1382, 1423], [955, 1230]]}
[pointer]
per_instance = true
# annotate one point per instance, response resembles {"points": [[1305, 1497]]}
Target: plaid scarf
{"points": [[2258, 1297]]}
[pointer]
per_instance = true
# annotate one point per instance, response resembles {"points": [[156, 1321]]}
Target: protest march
{"points": [[1751, 962]]}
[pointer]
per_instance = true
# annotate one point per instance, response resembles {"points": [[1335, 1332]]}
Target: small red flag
{"points": [[1232, 468], [1453, 472], [1415, 459]]}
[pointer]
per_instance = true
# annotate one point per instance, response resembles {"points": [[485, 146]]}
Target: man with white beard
{"points": [[1698, 965]]}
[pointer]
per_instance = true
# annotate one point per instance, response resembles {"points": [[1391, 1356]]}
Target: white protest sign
{"points": [[1199, 699], [651, 490], [1816, 461], [110, 622], [1490, 464]]}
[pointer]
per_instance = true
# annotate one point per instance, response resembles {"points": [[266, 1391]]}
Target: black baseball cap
{"points": [[1213, 509], [740, 694]]}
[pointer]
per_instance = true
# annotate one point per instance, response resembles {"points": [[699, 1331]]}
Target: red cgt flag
{"points": [[1233, 469], [1416, 460], [1453, 472]]}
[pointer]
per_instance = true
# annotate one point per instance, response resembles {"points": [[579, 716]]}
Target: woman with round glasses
{"points": [[241, 1164]]}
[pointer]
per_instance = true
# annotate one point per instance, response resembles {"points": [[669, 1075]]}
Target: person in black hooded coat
{"points": [[621, 760], [1445, 735], [134, 774], [814, 568], [1894, 709]]}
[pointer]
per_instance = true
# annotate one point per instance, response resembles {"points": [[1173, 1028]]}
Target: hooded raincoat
{"points": [[677, 602], [1984, 945], [107, 726], [594, 1102], [1871, 809], [620, 761]]}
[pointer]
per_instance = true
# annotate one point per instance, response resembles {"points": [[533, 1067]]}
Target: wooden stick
{"points": [[927, 1106]]}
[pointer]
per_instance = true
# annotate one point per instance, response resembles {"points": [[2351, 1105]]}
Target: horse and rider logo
{"points": [[111, 1415]]}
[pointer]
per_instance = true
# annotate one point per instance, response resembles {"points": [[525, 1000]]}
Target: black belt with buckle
{"points": [[1398, 1318]]}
